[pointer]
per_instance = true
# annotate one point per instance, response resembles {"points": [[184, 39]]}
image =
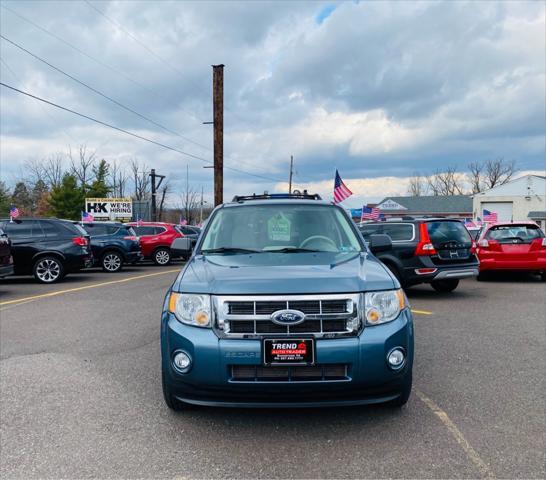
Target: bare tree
{"points": [[141, 179], [164, 191], [417, 186], [475, 176], [82, 165], [498, 172], [190, 201], [50, 170], [446, 182], [118, 179]]}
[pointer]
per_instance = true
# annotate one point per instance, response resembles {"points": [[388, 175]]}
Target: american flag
{"points": [[370, 213], [87, 217], [341, 192], [13, 211], [183, 221], [490, 216]]}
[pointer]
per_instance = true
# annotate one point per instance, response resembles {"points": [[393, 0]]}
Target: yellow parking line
{"points": [[421, 312], [482, 467], [85, 287]]}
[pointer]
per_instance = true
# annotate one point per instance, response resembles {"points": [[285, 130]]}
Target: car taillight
{"points": [[131, 237], [483, 243], [424, 247], [81, 241]]}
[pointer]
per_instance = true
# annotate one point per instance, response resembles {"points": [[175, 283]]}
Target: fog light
{"points": [[396, 358], [182, 361]]}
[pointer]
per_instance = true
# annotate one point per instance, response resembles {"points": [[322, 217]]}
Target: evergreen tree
{"points": [[99, 188], [21, 198], [67, 200], [4, 200], [39, 192]]}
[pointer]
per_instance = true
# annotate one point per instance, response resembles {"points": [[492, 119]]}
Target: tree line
{"points": [[58, 184], [480, 176]]}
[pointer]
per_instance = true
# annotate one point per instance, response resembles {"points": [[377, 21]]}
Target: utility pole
{"points": [[153, 175], [201, 212], [218, 114], [291, 170]]}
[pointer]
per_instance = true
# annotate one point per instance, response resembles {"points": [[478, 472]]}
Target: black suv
{"points": [[113, 244], [439, 251], [47, 248]]}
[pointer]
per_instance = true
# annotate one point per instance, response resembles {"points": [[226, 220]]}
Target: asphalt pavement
{"points": [[80, 392]]}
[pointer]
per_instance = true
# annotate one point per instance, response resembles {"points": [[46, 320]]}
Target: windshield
{"points": [[519, 233], [280, 228]]}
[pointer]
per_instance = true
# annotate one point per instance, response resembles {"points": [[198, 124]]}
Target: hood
{"points": [[274, 273]]}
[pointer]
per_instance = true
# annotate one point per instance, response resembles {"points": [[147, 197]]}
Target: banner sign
{"points": [[389, 204], [110, 208]]}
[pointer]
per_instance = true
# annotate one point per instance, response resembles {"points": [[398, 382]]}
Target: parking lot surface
{"points": [[81, 392]]}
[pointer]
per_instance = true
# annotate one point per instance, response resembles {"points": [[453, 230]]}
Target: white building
{"points": [[521, 199]]}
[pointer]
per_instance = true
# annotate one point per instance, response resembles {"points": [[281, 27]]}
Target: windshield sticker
{"points": [[278, 228]]}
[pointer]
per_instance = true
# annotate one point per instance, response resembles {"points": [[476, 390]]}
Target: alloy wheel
{"points": [[111, 262], [48, 270], [162, 257]]}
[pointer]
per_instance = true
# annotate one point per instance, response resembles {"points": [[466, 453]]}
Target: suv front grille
{"points": [[332, 314], [277, 373]]}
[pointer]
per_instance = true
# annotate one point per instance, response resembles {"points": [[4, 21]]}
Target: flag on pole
{"points": [[87, 217], [13, 211], [139, 222], [183, 221], [341, 192], [370, 213], [489, 216]]}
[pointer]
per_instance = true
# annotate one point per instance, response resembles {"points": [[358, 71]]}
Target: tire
{"points": [[405, 393], [111, 261], [48, 269], [169, 398], [445, 286], [543, 276], [162, 256]]}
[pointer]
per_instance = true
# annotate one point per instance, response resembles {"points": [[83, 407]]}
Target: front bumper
{"points": [[209, 382]]}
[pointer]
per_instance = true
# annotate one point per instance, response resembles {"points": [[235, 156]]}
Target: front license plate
{"points": [[289, 351]]}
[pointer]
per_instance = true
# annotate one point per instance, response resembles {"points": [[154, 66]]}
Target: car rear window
{"points": [[129, 231], [519, 233], [399, 232], [144, 230], [96, 229], [441, 232]]}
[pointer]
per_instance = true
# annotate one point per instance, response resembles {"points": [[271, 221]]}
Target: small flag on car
{"points": [[13, 212], [489, 216], [341, 192], [87, 217], [370, 213], [139, 222], [183, 221]]}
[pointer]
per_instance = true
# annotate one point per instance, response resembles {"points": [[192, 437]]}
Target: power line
{"points": [[142, 44], [96, 60], [132, 134], [98, 92]]}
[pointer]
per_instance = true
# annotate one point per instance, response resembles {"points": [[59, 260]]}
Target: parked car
{"points": [[6, 260], [113, 244], [282, 305], [156, 239], [512, 246], [189, 231], [439, 251], [47, 248]]}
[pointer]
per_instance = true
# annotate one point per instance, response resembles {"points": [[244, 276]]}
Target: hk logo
{"points": [[98, 207]]}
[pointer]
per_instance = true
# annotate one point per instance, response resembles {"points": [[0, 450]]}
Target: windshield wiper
{"points": [[230, 250], [293, 250]]}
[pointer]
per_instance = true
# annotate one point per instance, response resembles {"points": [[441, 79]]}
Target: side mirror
{"points": [[181, 246], [379, 243]]}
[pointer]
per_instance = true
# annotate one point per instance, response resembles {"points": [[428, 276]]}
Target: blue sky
{"points": [[378, 90]]}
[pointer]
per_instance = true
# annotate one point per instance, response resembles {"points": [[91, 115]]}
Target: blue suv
{"points": [[282, 304]]}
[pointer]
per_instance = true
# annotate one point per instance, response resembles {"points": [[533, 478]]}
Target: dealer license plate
{"points": [[289, 351]]}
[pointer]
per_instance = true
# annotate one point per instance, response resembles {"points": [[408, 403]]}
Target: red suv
{"points": [[156, 239], [512, 246]]}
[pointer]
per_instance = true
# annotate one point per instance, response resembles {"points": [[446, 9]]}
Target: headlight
{"points": [[382, 307], [190, 308]]}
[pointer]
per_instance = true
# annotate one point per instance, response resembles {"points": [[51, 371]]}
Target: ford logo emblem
{"points": [[287, 317]]}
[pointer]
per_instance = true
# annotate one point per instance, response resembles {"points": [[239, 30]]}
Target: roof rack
{"points": [[296, 194]]}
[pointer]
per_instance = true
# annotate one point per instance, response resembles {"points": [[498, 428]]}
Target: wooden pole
{"points": [[218, 113], [290, 178]]}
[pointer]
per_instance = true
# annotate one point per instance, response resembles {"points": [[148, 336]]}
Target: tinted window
{"points": [[370, 229], [129, 231], [511, 233], [144, 230], [50, 229], [445, 232], [399, 231], [186, 230], [159, 230], [96, 229], [24, 229]]}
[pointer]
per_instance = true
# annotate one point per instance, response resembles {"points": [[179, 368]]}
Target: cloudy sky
{"points": [[379, 90]]}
